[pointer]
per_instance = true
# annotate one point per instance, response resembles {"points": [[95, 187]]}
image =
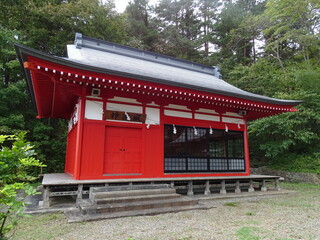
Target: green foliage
{"points": [[308, 163], [236, 33], [291, 29], [8, 62], [49, 137], [180, 28], [289, 141], [49, 25], [231, 204], [263, 77], [141, 26], [17, 170], [14, 107], [309, 79], [248, 233]]}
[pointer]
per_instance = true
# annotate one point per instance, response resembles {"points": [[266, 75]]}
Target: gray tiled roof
{"points": [[130, 62], [114, 59]]}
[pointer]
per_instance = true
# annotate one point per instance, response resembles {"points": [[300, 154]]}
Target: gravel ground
{"points": [[284, 217]]}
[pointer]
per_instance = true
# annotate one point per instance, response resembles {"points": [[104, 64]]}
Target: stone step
{"points": [[128, 199], [133, 206], [128, 187], [77, 217], [116, 194]]}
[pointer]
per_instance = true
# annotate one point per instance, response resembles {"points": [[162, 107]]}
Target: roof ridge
{"points": [[102, 45]]}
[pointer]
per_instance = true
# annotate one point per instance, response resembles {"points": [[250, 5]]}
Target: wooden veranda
{"points": [[61, 184]]}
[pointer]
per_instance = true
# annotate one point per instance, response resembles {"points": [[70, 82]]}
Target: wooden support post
{"points": [[190, 188], [223, 187], [237, 190], [46, 196], [251, 188], [207, 188], [263, 187], [276, 184]]}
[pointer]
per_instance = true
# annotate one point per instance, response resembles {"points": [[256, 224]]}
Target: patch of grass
{"points": [[231, 204], [249, 213], [300, 186], [42, 226], [248, 233]]}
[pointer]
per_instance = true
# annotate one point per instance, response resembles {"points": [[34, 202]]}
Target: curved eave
{"points": [[24, 51], [22, 58]]}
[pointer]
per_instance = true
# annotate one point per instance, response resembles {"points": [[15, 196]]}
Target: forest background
{"points": [[268, 47]]}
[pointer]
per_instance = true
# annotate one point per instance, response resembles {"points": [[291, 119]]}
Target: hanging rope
{"points": [[211, 131], [195, 131], [174, 129]]}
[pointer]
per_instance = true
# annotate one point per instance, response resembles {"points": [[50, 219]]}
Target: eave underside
{"points": [[56, 89]]}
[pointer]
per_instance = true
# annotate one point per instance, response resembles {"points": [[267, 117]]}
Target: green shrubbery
{"points": [[18, 168]]}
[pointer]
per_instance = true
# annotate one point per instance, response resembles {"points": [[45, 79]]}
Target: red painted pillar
{"points": [[246, 149], [78, 155], [162, 140]]}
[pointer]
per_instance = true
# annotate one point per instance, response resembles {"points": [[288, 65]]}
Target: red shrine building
{"points": [[138, 114]]}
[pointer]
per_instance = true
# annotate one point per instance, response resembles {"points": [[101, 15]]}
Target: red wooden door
{"points": [[122, 150]]}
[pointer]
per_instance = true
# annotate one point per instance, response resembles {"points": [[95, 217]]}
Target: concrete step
{"points": [[117, 194], [128, 199], [77, 217], [133, 206], [128, 187]]}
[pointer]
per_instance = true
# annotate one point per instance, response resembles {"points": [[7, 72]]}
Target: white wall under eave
{"points": [[204, 110], [124, 100], [180, 107], [207, 117], [233, 120], [233, 114], [123, 108], [153, 116], [178, 114], [93, 110], [153, 104]]}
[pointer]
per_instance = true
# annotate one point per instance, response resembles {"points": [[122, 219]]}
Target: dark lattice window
{"points": [[219, 164], [197, 164], [175, 144], [217, 144], [189, 149], [235, 145], [235, 164], [175, 164], [196, 142]]}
